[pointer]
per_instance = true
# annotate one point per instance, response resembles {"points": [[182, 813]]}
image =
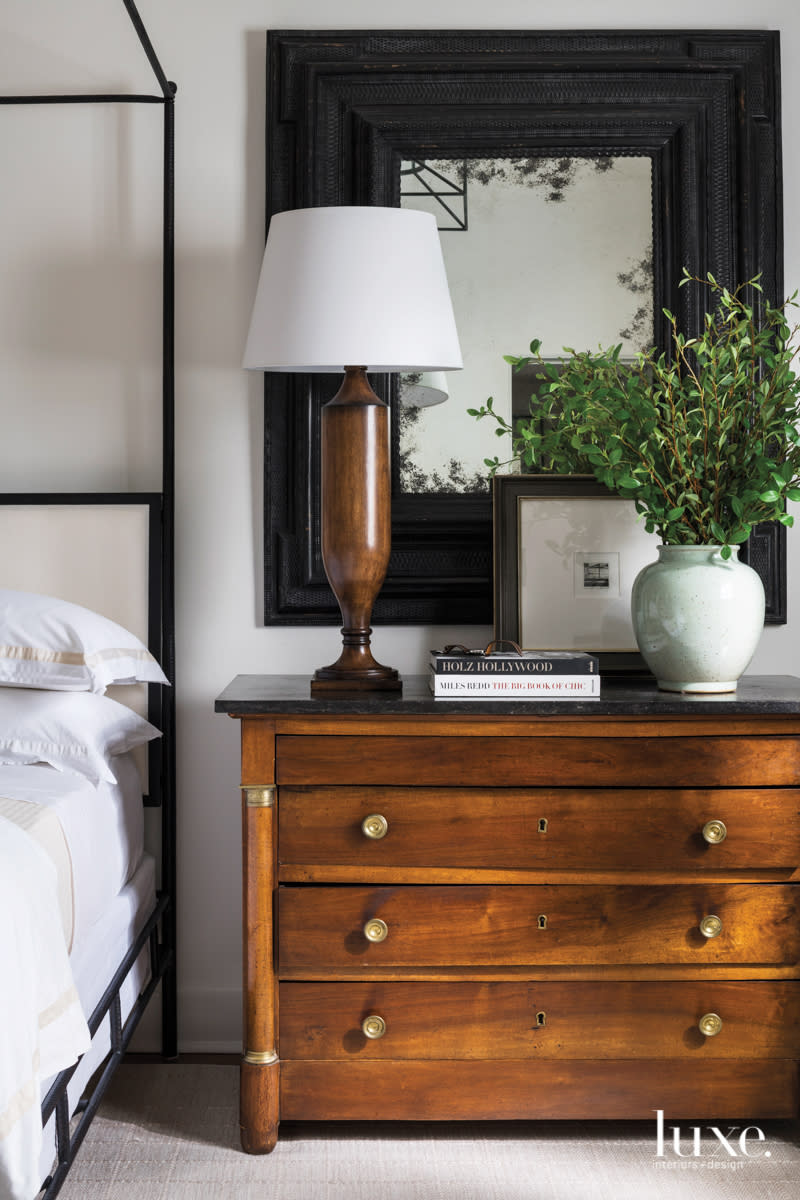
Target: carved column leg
{"points": [[259, 1083]]}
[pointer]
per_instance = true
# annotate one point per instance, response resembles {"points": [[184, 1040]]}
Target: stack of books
{"points": [[460, 674]]}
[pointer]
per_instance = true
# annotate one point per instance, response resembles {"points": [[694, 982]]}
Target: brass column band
{"points": [[259, 797], [260, 1058]]}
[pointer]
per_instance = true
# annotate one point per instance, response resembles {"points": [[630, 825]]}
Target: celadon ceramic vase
{"points": [[697, 618]]}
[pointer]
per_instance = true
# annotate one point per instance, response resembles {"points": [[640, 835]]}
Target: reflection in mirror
{"points": [[422, 388], [554, 248]]}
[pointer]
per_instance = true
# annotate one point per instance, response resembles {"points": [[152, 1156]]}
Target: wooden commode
{"points": [[556, 910]]}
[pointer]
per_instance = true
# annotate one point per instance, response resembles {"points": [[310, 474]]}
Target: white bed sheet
{"points": [[103, 826], [94, 960]]}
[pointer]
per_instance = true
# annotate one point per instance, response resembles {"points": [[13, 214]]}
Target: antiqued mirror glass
{"points": [[555, 248]]}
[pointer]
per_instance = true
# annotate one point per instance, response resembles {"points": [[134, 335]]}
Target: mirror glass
{"points": [[559, 249]]}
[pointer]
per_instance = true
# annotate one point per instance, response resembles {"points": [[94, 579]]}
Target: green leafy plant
{"points": [[705, 441]]}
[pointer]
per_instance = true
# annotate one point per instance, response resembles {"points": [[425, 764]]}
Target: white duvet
{"points": [[42, 1026]]}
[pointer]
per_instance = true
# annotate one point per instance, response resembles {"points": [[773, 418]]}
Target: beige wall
{"points": [[79, 347]]}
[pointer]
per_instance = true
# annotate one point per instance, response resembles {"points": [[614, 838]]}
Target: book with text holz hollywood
{"points": [[514, 687], [459, 660]]}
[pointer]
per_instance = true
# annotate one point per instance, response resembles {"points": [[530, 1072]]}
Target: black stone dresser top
{"points": [[766, 695]]}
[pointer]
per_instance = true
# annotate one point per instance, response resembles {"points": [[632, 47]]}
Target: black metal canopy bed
{"points": [[87, 776]]}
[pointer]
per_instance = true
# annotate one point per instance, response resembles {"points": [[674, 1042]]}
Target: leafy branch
{"points": [[706, 442]]}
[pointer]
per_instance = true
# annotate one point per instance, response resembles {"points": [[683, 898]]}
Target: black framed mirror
{"points": [[375, 117]]}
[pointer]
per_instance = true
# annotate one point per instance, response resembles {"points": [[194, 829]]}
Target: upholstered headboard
{"points": [[93, 552], [101, 550]]}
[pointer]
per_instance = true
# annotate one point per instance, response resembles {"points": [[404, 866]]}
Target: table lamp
{"points": [[353, 289]]}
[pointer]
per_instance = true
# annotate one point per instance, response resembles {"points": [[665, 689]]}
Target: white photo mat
{"points": [[578, 557]]}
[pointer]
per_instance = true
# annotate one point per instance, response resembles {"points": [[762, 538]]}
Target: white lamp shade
{"points": [[352, 286]]}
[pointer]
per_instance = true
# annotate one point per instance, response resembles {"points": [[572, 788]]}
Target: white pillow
{"points": [[77, 731], [53, 644]]}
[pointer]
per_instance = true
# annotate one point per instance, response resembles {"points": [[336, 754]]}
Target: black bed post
{"points": [[169, 991], [169, 996]]}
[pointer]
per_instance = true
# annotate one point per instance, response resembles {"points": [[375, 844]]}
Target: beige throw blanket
{"points": [[42, 824], [42, 1026]]}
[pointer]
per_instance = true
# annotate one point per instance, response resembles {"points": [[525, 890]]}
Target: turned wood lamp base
{"points": [[331, 679], [356, 528]]}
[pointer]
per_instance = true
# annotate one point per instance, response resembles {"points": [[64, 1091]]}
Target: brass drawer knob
{"points": [[714, 832], [711, 926], [374, 1026], [375, 826], [710, 1024], [376, 930]]}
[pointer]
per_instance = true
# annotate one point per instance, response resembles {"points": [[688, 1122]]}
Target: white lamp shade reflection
{"points": [[423, 389]]}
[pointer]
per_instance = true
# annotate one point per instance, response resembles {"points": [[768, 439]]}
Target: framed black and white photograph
{"points": [[566, 553]]}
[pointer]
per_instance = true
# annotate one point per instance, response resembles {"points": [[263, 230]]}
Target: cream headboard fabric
{"points": [[91, 554]]}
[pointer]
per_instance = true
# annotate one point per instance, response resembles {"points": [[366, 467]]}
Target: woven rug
{"points": [[170, 1132]]}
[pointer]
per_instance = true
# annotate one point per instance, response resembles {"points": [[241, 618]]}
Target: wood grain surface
{"points": [[541, 828], [321, 929], [526, 1019], [772, 761], [568, 1089]]}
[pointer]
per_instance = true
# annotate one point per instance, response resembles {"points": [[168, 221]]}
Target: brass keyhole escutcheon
{"points": [[541, 1019], [542, 922], [710, 1024], [375, 826], [373, 1026], [715, 832], [376, 930], [543, 825], [711, 926]]}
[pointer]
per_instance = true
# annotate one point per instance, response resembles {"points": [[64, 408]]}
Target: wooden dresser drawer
{"points": [[683, 761], [324, 930], [551, 1089], [523, 1019], [632, 829]]}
